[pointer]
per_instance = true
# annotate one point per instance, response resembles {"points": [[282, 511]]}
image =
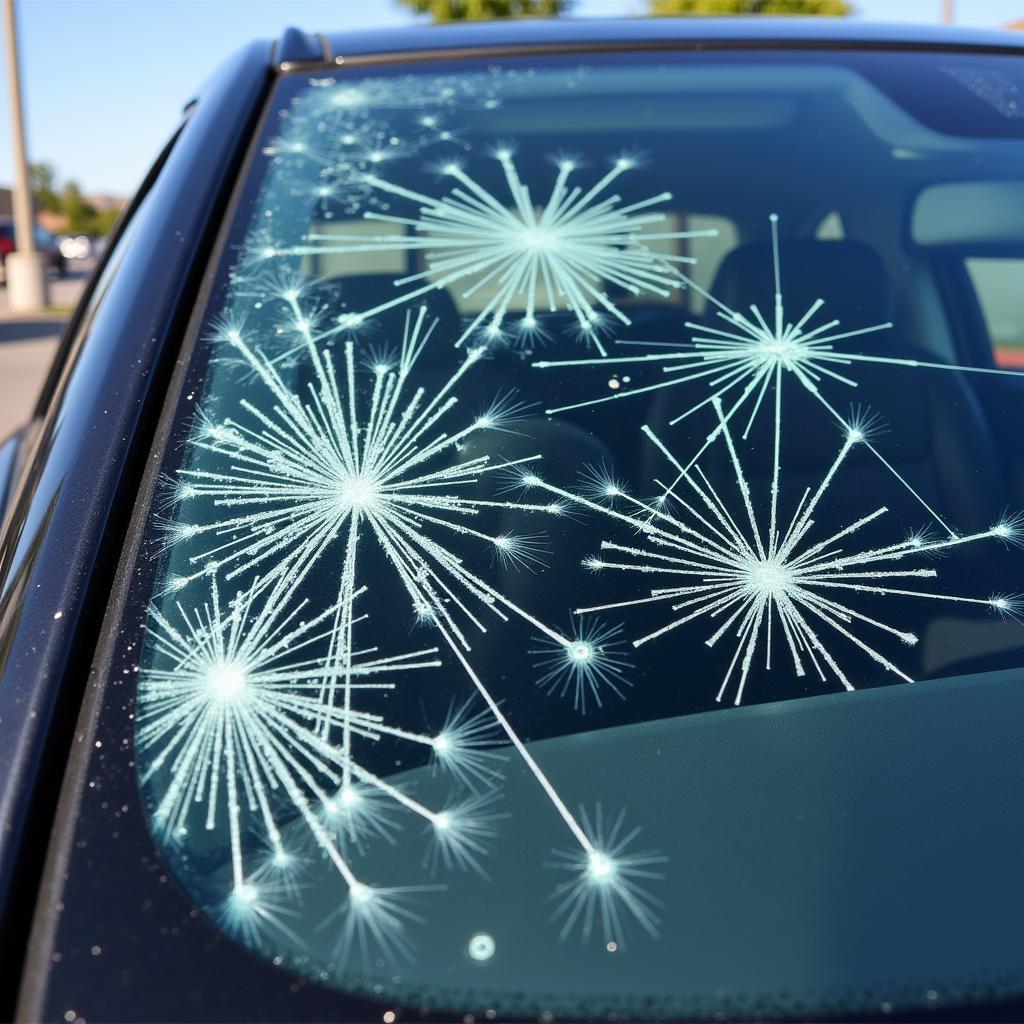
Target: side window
{"points": [[997, 282]]}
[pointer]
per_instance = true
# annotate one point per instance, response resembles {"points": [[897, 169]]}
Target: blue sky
{"points": [[105, 80]]}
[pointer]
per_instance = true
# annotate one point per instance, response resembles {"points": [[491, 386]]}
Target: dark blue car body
{"points": [[68, 484]]}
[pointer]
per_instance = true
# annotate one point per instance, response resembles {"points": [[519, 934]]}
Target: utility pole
{"points": [[25, 268], [947, 12]]}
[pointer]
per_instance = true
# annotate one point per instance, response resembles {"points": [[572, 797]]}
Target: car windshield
{"points": [[585, 572]]}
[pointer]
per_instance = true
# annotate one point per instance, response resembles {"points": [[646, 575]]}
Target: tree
{"points": [[78, 212], [805, 7], [101, 223], [83, 218], [75, 214], [483, 10], [43, 179]]}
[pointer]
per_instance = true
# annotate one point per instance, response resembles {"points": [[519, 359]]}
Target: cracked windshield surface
{"points": [[585, 574]]}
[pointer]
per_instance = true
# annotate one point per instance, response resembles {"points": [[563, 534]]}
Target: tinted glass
{"points": [[585, 573]]}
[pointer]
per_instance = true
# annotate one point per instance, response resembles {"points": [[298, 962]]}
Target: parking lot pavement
{"points": [[27, 345], [23, 366]]}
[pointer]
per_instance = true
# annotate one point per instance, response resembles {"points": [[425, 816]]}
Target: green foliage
{"points": [[483, 10], [102, 222], [43, 178], [82, 218], [75, 208], [805, 7]]}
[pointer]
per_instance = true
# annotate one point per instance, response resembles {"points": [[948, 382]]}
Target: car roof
{"points": [[574, 33]]}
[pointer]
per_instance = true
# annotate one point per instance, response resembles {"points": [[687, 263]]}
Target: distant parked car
{"points": [[46, 242], [75, 247]]}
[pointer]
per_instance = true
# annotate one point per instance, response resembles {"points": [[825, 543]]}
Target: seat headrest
{"points": [[356, 293], [847, 275]]}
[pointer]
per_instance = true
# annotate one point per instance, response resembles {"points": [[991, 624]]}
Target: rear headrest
{"points": [[848, 275]]}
